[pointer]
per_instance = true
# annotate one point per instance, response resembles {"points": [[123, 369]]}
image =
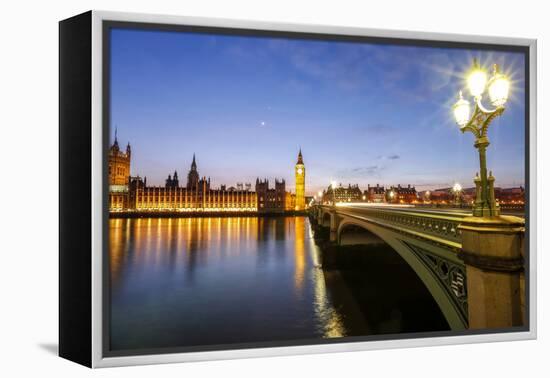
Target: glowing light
{"points": [[461, 110], [477, 80], [333, 184], [369, 204], [499, 87], [457, 187]]}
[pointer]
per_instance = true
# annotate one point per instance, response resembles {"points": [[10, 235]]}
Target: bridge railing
{"points": [[437, 226]]}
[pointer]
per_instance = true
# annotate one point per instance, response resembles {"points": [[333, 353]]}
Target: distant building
{"points": [[437, 196], [468, 195], [119, 166], [351, 193], [193, 175], [375, 194], [446, 196], [127, 193], [510, 196], [401, 194], [172, 182], [273, 200], [119, 174]]}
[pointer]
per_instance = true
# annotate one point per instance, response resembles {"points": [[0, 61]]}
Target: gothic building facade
{"points": [[119, 172], [131, 193], [119, 164]]}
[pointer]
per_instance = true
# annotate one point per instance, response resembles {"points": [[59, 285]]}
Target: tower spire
{"points": [[300, 158], [115, 144]]}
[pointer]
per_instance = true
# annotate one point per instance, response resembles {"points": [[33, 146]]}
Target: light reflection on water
{"points": [[205, 281]]}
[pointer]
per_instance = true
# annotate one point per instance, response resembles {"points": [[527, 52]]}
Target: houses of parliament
{"points": [[132, 194]]}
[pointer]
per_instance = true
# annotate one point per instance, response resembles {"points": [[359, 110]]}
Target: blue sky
{"points": [[362, 113]]}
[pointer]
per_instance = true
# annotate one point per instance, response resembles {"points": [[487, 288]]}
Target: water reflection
{"points": [[202, 281]]}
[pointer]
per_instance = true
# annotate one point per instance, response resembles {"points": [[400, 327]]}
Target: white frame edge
{"points": [[97, 184]]}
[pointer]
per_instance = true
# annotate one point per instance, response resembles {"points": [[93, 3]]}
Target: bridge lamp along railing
{"points": [[457, 190], [333, 187], [477, 122]]}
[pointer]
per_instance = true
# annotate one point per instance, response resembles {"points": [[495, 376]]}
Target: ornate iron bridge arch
{"points": [[428, 241]]}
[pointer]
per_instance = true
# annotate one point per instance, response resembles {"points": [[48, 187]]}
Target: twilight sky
{"points": [[362, 113]]}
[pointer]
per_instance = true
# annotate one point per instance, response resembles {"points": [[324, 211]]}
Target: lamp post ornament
{"points": [[478, 123], [457, 191]]}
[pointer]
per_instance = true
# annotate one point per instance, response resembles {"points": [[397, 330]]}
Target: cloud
{"points": [[370, 170], [388, 157]]}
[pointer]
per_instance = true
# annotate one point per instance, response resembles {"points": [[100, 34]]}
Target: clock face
{"points": [[299, 171]]}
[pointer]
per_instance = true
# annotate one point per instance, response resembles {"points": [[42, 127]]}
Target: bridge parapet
{"points": [[439, 227]]}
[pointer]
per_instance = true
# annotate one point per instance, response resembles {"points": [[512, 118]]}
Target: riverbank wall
{"points": [[201, 214]]}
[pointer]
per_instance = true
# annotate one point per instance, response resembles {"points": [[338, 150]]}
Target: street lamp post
{"points": [[491, 244], [457, 190], [392, 194], [478, 123], [333, 186]]}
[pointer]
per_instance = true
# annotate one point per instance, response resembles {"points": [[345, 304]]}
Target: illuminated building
{"points": [[351, 193], [300, 176], [375, 194], [119, 171], [275, 200], [401, 194], [510, 196], [445, 196], [438, 196], [119, 164], [131, 193]]}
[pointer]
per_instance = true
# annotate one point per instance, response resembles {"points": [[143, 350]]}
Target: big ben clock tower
{"points": [[300, 175]]}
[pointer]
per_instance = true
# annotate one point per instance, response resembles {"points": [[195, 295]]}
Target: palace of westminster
{"points": [[132, 194]]}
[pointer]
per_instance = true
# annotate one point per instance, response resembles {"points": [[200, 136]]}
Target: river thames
{"points": [[181, 282]]}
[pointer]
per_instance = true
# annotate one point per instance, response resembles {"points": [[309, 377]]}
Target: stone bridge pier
{"points": [[492, 250]]}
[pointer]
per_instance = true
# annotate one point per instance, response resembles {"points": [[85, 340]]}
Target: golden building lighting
{"points": [[132, 194]]}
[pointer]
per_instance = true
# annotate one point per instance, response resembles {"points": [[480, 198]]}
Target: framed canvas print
{"points": [[233, 189]]}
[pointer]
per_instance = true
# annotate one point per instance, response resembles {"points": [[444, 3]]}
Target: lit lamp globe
{"points": [[457, 187], [477, 80], [461, 111], [499, 87]]}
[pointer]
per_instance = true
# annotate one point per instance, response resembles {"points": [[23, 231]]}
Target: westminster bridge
{"points": [[472, 266]]}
